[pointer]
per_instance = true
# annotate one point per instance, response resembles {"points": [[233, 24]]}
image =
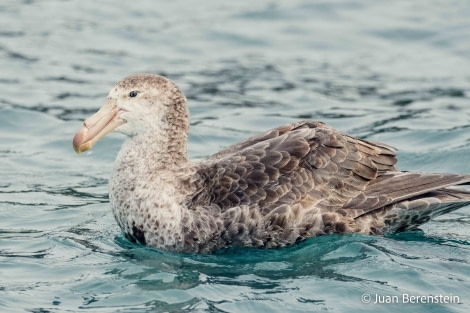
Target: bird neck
{"points": [[156, 149]]}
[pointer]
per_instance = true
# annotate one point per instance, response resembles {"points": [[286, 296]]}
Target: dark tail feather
{"points": [[409, 214]]}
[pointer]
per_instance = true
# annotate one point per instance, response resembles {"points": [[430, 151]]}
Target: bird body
{"points": [[271, 190]]}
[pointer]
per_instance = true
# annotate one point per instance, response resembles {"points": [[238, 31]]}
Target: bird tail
{"points": [[409, 214]]}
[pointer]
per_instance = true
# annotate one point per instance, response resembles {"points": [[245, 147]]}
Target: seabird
{"points": [[274, 189]]}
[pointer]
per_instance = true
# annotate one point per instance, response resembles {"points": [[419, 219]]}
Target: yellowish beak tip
{"points": [[79, 144]]}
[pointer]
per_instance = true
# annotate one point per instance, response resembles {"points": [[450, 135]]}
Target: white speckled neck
{"points": [[155, 150]]}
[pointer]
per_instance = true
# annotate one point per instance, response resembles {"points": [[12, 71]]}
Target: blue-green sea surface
{"points": [[390, 71]]}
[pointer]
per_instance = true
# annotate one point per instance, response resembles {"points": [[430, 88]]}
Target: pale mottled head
{"points": [[138, 103]]}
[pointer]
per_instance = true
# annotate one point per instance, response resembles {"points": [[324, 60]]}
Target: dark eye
{"points": [[133, 94]]}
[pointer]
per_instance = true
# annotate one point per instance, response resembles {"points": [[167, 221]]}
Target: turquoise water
{"points": [[397, 72]]}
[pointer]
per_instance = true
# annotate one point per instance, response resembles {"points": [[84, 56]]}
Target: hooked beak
{"points": [[97, 126]]}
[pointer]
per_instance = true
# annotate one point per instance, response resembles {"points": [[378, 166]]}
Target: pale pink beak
{"points": [[97, 126]]}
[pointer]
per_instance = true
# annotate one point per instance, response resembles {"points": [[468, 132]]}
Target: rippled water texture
{"points": [[391, 71]]}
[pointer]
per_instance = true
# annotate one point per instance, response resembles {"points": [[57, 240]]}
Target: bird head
{"points": [[135, 104]]}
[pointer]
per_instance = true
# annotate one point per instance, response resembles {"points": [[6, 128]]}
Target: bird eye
{"points": [[133, 94]]}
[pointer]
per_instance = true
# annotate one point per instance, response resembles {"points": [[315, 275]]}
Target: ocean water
{"points": [[390, 71]]}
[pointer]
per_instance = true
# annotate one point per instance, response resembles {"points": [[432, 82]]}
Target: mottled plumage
{"points": [[274, 189]]}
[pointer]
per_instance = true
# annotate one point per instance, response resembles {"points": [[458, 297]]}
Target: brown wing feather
{"points": [[393, 187], [306, 162]]}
